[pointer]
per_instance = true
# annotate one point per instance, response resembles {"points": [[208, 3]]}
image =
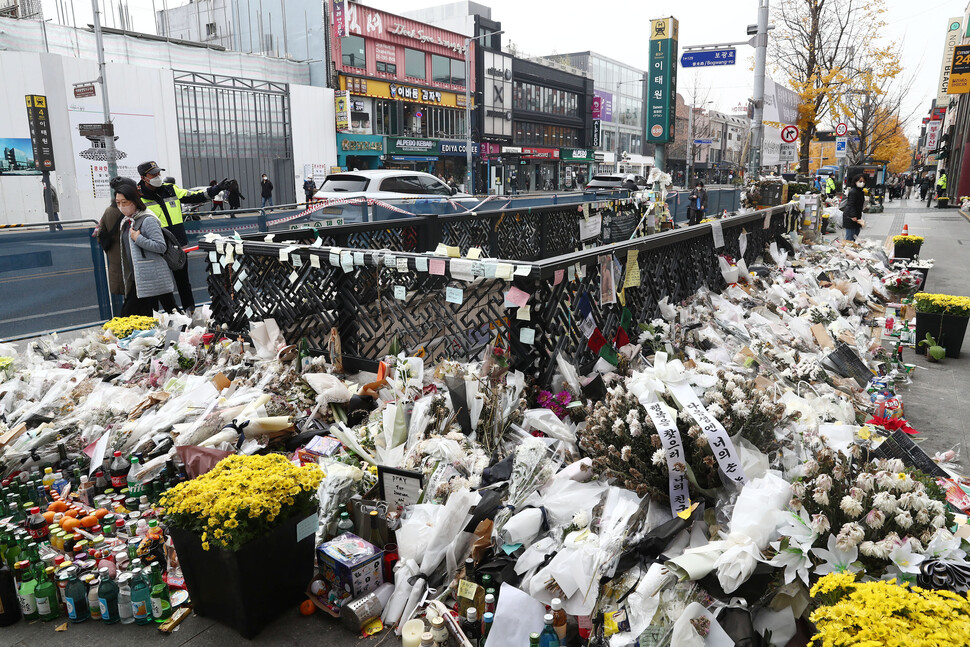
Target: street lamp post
{"points": [[469, 183]]}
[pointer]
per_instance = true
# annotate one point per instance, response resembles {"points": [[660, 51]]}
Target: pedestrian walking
{"points": [[219, 199], [147, 278], [924, 186], [266, 191], [309, 188], [909, 187], [108, 233], [233, 196], [696, 204], [165, 199], [855, 202]]}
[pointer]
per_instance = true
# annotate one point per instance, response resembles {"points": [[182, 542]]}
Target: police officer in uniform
{"points": [[165, 201]]}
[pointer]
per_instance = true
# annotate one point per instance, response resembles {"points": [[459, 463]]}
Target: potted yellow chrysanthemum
{"points": [[943, 316], [906, 246], [244, 535]]}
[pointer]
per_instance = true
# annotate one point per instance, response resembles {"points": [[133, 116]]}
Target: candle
{"points": [[411, 633]]}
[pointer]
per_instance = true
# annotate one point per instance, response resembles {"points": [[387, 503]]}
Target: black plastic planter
{"points": [[947, 330], [249, 588]]}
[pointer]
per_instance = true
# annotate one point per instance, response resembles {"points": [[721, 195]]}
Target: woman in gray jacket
{"points": [[148, 279]]}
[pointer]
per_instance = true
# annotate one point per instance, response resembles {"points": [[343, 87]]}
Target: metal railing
{"points": [[374, 284]]}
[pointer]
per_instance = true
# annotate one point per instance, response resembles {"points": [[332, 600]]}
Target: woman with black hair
{"points": [[148, 279], [855, 202]]}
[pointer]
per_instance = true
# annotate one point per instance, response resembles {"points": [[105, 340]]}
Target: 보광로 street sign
{"points": [[703, 141], [662, 81], [708, 58]]}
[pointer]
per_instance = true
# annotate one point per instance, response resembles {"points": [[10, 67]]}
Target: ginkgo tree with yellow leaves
{"points": [[833, 58]]}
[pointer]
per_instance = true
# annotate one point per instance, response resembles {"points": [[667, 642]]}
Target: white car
{"points": [[385, 184]]}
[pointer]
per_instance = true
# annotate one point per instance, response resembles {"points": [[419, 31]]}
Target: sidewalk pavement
{"points": [[936, 403]]}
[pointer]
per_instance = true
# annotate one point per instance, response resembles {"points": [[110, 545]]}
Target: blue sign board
{"points": [[708, 58], [703, 141], [840, 149]]}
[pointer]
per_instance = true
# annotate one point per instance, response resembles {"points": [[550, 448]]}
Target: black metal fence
{"points": [[376, 282]]}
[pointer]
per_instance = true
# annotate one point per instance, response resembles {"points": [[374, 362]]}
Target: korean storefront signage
{"points": [[398, 92], [419, 35], [662, 81], [540, 153], [38, 120], [368, 144], [597, 133], [412, 146], [341, 102], [577, 155], [497, 95], [953, 35], [455, 148]]}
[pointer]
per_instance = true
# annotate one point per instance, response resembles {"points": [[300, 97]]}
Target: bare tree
{"points": [[818, 45]]}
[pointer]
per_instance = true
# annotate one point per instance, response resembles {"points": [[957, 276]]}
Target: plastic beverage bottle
{"points": [[28, 603], [76, 598], [45, 592], [37, 525], [548, 637], [108, 598], [49, 478], [140, 598], [9, 601], [345, 524], [59, 482], [124, 599], [93, 605], [472, 627], [119, 471], [134, 485], [558, 619]]}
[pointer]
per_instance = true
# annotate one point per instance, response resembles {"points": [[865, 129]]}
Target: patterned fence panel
{"points": [[389, 291]]}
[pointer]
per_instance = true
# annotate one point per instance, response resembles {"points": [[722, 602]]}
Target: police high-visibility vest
{"points": [[830, 185], [172, 195], [941, 182]]}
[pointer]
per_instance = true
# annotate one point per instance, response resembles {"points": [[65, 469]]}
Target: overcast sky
{"points": [[617, 28]]}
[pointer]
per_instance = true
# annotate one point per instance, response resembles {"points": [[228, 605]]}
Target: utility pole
{"points": [[109, 140], [760, 57]]}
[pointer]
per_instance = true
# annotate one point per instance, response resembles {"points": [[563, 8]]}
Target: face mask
{"points": [[128, 210], [264, 178], [860, 184], [155, 181]]}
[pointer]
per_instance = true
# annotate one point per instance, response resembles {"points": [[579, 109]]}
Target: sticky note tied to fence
{"points": [[767, 221], [314, 261], [743, 242], [523, 270], [285, 253], [591, 227], [400, 293], [402, 265], [461, 269], [632, 278], [474, 253], [296, 260], [421, 264], [527, 336], [524, 313], [517, 297], [558, 277], [504, 271], [217, 268], [718, 234], [213, 257], [454, 295], [451, 251], [294, 276], [436, 266], [359, 258], [347, 261]]}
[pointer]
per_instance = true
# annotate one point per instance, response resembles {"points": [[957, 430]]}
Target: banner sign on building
{"points": [[602, 105], [497, 95], [933, 135], [953, 36], [597, 133], [662, 81], [341, 102], [339, 18], [960, 71]]}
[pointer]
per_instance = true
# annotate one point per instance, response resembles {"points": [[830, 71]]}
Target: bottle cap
{"points": [[490, 599], [35, 510], [426, 637], [488, 617], [48, 470], [547, 618], [556, 604], [118, 454], [103, 570], [472, 614], [437, 622]]}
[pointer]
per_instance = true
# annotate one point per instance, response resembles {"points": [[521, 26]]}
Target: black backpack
{"points": [[174, 255]]}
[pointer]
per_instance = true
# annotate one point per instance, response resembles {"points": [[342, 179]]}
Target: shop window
{"points": [[414, 64], [389, 68], [458, 72], [352, 52], [440, 69]]}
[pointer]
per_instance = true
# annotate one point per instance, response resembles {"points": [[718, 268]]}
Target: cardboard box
{"points": [[351, 565]]}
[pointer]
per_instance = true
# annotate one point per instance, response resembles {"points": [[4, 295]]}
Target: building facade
{"points": [[404, 81], [620, 97]]}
